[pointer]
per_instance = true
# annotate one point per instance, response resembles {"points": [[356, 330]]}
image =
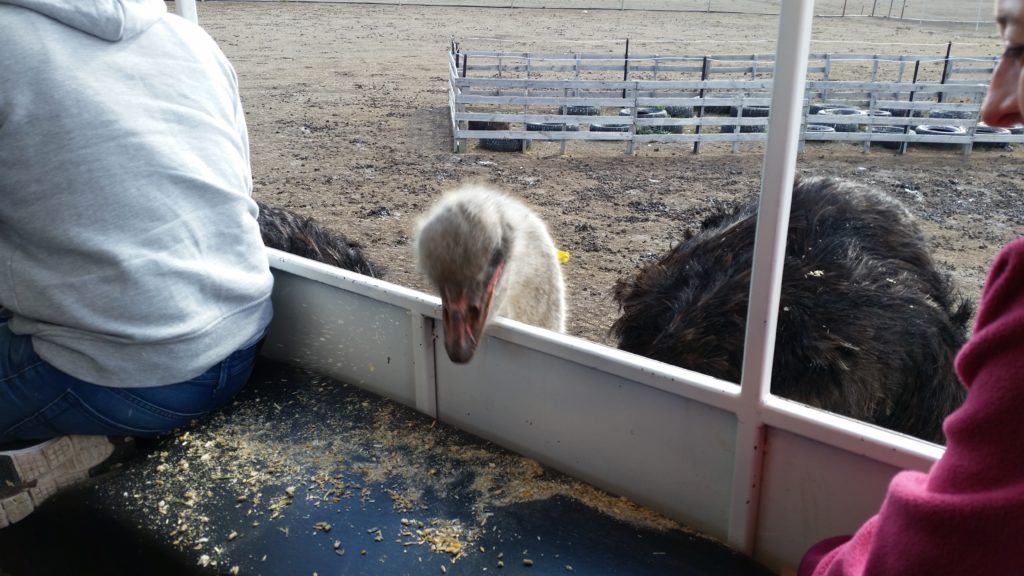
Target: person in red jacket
{"points": [[966, 515]]}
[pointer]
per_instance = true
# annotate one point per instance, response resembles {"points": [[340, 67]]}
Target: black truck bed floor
{"points": [[302, 475]]}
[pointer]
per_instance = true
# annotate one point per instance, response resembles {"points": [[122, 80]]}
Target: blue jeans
{"points": [[38, 401]]}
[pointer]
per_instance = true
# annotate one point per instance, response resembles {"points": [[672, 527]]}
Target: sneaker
{"points": [[29, 476]]}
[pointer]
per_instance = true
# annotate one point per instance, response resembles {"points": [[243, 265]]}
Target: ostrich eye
{"points": [[497, 257]]}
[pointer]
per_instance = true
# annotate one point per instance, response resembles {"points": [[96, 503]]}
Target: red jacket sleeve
{"points": [[966, 516]]}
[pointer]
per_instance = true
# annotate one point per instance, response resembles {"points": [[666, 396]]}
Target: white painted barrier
{"points": [[665, 437]]}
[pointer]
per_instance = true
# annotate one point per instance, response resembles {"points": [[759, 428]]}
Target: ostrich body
{"points": [[488, 254], [867, 326], [296, 234]]}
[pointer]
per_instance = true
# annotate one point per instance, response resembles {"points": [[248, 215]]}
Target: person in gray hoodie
{"points": [[133, 279]]}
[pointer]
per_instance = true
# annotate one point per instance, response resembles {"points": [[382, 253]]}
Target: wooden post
{"points": [[910, 113], [526, 91], [872, 102], [844, 8], [625, 67], [904, 9], [945, 68], [562, 110], [738, 128], [576, 93], [700, 110], [827, 75], [873, 4], [631, 145]]}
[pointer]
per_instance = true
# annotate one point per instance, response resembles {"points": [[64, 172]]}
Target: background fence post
{"points": [[945, 68], [625, 67], [910, 111], [700, 109]]}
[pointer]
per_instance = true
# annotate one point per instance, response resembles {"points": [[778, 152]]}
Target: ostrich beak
{"points": [[465, 318]]}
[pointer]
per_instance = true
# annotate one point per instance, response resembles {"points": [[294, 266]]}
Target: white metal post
{"points": [[769, 251], [187, 10]]}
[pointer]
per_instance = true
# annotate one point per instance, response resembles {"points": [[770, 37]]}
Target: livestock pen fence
{"points": [[509, 99], [973, 12]]}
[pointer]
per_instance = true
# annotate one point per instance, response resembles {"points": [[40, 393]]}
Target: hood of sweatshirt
{"points": [[111, 20]]}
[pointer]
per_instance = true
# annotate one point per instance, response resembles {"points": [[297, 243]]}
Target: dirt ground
{"points": [[348, 120]]}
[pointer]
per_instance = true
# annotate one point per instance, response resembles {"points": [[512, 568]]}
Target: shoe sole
{"points": [[44, 470]]}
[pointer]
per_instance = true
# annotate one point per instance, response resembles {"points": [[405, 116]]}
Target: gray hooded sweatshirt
{"points": [[129, 245]]}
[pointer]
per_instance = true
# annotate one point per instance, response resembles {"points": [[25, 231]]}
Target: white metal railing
{"points": [[732, 462], [777, 174]]}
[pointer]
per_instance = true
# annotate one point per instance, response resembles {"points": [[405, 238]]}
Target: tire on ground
{"points": [[954, 114], [484, 125], [751, 111], [851, 127], [679, 111], [652, 113], [581, 110], [818, 129], [890, 130], [729, 128], [609, 127], [903, 112], [936, 130], [547, 127], [985, 129], [644, 112], [497, 144], [501, 145], [550, 127]]}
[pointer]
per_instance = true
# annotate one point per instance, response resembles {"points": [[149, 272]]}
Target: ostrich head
{"points": [[461, 246]]}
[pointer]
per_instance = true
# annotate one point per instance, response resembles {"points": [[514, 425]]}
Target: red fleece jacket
{"points": [[966, 516]]}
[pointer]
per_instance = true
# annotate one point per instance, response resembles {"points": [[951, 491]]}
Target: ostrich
{"points": [[285, 230], [867, 326], [488, 254]]}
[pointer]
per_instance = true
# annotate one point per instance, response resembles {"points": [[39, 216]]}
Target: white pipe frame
{"points": [[187, 10], [769, 253]]}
